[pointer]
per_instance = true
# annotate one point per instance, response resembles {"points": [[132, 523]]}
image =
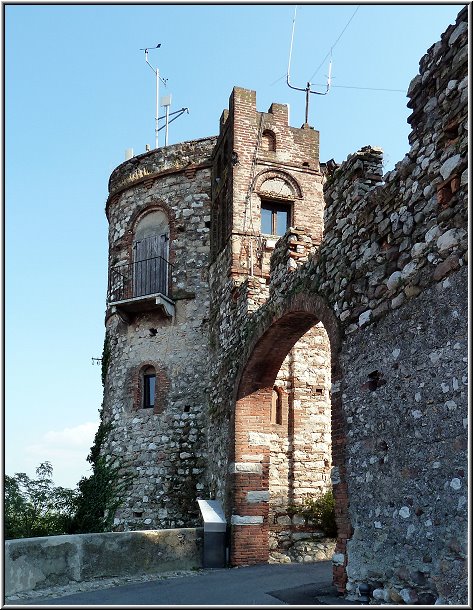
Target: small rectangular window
{"points": [[275, 217], [149, 390]]}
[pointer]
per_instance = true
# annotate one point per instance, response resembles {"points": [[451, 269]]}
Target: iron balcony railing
{"points": [[139, 279]]}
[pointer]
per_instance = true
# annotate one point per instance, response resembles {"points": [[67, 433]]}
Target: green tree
{"points": [[35, 507]]}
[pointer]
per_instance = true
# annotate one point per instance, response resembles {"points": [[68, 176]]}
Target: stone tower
{"points": [[267, 182], [157, 330], [191, 226]]}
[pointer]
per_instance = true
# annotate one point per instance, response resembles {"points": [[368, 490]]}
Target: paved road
{"points": [[275, 584]]}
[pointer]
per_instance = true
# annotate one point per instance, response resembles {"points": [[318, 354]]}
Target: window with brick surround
{"points": [[268, 140], [149, 387], [275, 217], [276, 406]]}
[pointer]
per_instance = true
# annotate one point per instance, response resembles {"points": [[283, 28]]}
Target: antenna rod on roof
{"points": [[307, 88], [158, 78]]}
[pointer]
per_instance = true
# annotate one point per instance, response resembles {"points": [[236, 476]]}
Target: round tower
{"points": [[155, 352]]}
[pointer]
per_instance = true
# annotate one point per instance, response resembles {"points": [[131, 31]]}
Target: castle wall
{"points": [[381, 279], [398, 258], [163, 448], [392, 269]]}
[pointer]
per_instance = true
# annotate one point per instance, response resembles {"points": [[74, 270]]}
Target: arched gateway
{"points": [[251, 479]]}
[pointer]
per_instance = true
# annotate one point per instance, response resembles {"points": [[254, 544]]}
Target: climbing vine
{"points": [[106, 354], [101, 493]]}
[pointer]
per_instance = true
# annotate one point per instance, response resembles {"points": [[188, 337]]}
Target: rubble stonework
{"points": [[355, 320], [165, 447]]}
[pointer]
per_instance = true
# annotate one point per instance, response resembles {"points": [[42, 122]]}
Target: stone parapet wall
{"points": [[182, 157], [32, 564]]}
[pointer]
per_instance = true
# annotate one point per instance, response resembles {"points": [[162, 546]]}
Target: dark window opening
{"points": [[149, 389], [276, 406], [275, 218]]}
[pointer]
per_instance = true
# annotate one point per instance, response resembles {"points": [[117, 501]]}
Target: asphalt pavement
{"points": [[264, 585]]}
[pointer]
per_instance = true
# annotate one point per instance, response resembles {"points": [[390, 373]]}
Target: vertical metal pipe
{"points": [[157, 105], [167, 124], [307, 91]]}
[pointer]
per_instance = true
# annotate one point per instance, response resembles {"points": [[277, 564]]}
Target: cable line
{"points": [[366, 88], [333, 46]]}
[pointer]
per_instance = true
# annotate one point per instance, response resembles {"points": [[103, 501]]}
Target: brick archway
{"points": [[272, 340]]}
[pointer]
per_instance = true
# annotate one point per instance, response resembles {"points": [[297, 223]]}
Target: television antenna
{"points": [[307, 88], [165, 102], [158, 78]]}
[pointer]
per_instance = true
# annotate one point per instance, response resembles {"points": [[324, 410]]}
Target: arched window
{"points": [[148, 393], [151, 254], [268, 141], [276, 406]]}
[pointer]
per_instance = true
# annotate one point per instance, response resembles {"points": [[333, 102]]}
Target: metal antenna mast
{"points": [[307, 88], [158, 78]]}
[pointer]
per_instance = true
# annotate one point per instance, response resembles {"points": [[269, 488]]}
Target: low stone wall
{"points": [[300, 547], [38, 563]]}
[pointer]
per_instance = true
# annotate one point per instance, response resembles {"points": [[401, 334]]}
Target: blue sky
{"points": [[78, 94]]}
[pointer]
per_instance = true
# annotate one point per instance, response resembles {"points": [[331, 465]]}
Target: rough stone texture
{"points": [[406, 443], [383, 240], [374, 268], [34, 564], [300, 547], [163, 448]]}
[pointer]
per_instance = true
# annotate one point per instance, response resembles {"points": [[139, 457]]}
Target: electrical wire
{"points": [[365, 88], [334, 44]]}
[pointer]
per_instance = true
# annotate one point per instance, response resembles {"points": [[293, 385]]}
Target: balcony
{"points": [[140, 286]]}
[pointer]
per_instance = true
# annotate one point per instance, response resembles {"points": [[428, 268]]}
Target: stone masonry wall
{"points": [[405, 402], [300, 448], [163, 448], [392, 268], [383, 273], [35, 564]]}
